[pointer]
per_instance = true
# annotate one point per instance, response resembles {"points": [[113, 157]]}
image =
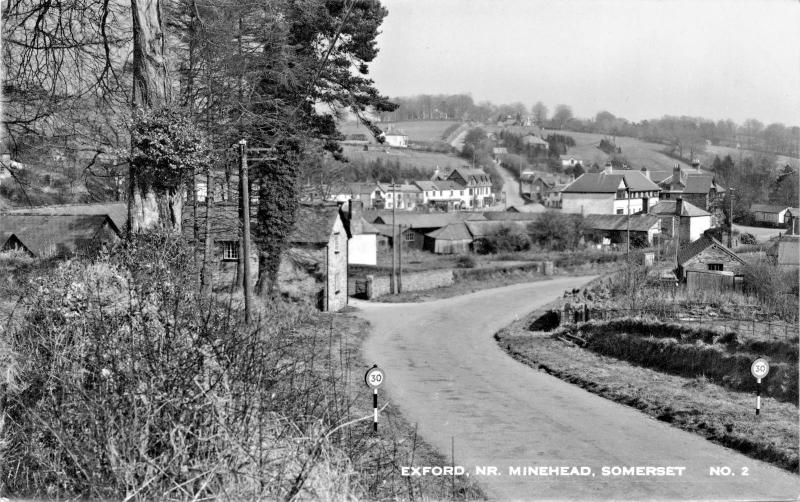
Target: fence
{"points": [[751, 327]]}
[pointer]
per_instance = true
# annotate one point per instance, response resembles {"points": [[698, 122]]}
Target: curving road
{"points": [[511, 188], [446, 373]]}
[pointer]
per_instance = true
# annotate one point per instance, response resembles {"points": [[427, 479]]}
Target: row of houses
{"points": [[451, 189]]}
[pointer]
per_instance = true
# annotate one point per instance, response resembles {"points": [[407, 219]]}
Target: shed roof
{"points": [[512, 216], [527, 208], [45, 234], [425, 220], [768, 208], [480, 229], [117, 211], [704, 242], [453, 232], [638, 222]]}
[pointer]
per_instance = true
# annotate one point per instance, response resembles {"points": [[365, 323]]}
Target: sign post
{"points": [[374, 378], [759, 369]]}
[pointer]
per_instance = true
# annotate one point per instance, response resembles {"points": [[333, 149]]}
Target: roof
{"points": [[117, 211], [512, 216], [658, 175], [638, 222], [425, 220], [527, 208], [426, 185], [54, 234], [696, 247], [480, 229], [477, 175], [568, 157], [692, 182], [367, 227], [314, 224], [769, 208], [499, 150], [667, 207], [547, 178], [398, 187], [609, 182], [453, 232]]}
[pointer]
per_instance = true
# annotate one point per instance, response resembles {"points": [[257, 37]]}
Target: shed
{"points": [[454, 238], [708, 254], [50, 235]]}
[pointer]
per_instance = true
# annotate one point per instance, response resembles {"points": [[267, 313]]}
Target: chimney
{"points": [[609, 168], [679, 206], [676, 174], [354, 214], [696, 164], [645, 173]]}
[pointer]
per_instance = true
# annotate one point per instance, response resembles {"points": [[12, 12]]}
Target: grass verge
{"points": [[694, 404]]}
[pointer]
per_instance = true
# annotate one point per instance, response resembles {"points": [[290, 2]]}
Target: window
{"points": [[336, 242], [620, 194], [716, 267], [470, 191], [408, 236], [620, 211], [230, 250], [462, 192]]}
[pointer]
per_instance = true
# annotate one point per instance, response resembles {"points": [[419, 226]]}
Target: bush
{"points": [[465, 261], [128, 383], [747, 239]]}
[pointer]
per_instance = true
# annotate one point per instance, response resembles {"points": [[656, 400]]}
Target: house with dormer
{"points": [[694, 186], [477, 183], [610, 192]]}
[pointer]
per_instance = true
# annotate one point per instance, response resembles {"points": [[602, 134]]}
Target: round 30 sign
{"points": [[759, 368], [374, 377]]}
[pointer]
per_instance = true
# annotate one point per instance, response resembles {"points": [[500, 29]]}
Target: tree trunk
{"points": [[206, 277], [175, 203], [150, 89]]}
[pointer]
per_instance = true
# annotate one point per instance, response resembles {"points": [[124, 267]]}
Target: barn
{"points": [[451, 239]]}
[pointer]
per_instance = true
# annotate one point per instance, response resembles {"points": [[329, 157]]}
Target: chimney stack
{"points": [[645, 173], [609, 168], [676, 174], [354, 215], [679, 206]]}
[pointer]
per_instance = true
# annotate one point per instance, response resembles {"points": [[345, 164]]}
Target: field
{"points": [[639, 153], [411, 158], [722, 151], [417, 130]]}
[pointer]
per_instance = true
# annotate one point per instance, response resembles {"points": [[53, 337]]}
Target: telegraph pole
{"points": [[244, 205], [628, 223], [730, 216], [394, 238]]}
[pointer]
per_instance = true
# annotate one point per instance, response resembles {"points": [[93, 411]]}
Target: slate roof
{"points": [[547, 178], [480, 229], [313, 224], [696, 247], [117, 211], [398, 187], [426, 185], [449, 185], [667, 207], [425, 220], [769, 208], [476, 176], [511, 216], [638, 222], [54, 234], [527, 208], [609, 183], [693, 183], [453, 232], [658, 175]]}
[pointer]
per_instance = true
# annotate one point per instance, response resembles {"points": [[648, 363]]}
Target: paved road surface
{"points": [[446, 373], [762, 234], [511, 188]]}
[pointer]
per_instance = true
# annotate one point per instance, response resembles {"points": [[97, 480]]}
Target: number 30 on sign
{"points": [[759, 368], [374, 377]]}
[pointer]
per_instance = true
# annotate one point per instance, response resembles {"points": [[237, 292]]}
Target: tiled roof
{"points": [[313, 224], [54, 234], [696, 247], [638, 222], [609, 183], [476, 175], [693, 183], [117, 211], [453, 232], [667, 207]]}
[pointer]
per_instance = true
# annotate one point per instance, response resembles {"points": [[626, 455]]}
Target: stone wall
{"points": [[380, 285]]}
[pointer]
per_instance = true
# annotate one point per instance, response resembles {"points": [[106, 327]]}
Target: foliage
{"points": [[167, 149], [775, 288], [747, 239], [557, 231], [465, 261]]}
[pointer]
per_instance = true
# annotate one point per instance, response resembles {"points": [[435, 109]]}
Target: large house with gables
{"points": [[610, 192]]}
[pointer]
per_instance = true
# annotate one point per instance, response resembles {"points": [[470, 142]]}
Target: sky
{"points": [[638, 59]]}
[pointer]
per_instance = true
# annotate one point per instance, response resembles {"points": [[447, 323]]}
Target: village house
{"points": [[553, 199], [396, 139], [772, 214], [694, 186], [537, 185], [444, 194], [404, 196], [607, 229], [534, 142], [412, 227], [688, 220], [362, 249], [609, 192], [478, 185], [570, 161], [362, 192], [314, 266], [56, 235], [707, 254]]}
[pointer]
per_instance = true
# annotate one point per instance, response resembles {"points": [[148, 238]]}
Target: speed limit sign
{"points": [[374, 377], [759, 368]]}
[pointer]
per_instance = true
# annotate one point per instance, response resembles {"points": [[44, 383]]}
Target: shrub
{"points": [[128, 383], [747, 239], [465, 261]]}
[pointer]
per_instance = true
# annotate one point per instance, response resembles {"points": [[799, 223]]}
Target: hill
{"points": [[428, 161], [417, 130]]}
